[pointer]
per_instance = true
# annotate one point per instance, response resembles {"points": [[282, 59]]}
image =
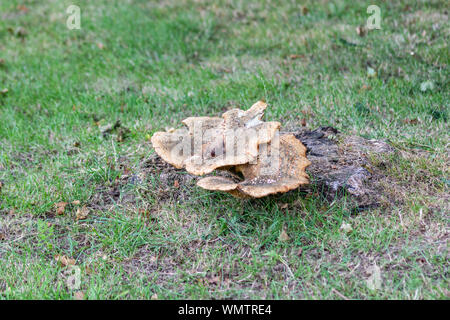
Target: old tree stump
{"points": [[340, 167]]}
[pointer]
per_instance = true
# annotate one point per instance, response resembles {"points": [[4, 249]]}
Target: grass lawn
{"points": [[150, 64]]}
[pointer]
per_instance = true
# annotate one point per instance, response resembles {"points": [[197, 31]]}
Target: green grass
{"points": [[161, 62]]}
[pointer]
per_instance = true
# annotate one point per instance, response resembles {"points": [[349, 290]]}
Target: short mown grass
{"points": [[150, 64]]}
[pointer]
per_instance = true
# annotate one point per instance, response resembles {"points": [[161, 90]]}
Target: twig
{"points": [[339, 294]]}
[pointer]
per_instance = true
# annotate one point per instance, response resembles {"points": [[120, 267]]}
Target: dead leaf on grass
{"points": [[296, 56], [22, 8], [361, 31], [303, 122], [410, 121], [214, 280], [60, 207], [64, 260], [284, 206], [82, 213], [283, 236]]}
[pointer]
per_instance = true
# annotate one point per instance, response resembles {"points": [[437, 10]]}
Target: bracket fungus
{"points": [[240, 143], [280, 171]]}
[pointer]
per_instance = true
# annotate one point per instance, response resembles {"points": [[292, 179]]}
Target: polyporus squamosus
{"points": [[281, 171], [239, 142], [211, 143]]}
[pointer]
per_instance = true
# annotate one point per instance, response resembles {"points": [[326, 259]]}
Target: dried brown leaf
{"points": [[64, 260], [283, 236], [82, 213], [60, 207], [361, 31]]}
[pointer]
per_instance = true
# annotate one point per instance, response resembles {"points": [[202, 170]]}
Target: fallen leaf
{"points": [[284, 206], [79, 295], [2, 61], [60, 207], [410, 121], [374, 281], [305, 11], [154, 297], [100, 45], [76, 202], [144, 213], [296, 56], [299, 252], [87, 270], [303, 122], [64, 260], [283, 236], [22, 8], [176, 184], [4, 91], [1, 186], [361, 31], [82, 213], [214, 280]]}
